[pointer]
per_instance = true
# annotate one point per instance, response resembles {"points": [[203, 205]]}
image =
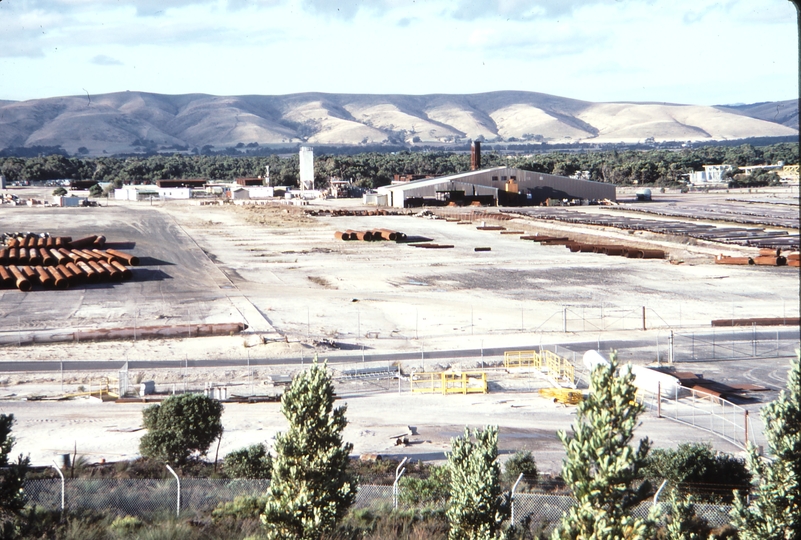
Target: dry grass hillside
{"points": [[122, 121]]}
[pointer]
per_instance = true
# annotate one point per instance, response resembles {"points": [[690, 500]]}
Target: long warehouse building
{"points": [[502, 186]]}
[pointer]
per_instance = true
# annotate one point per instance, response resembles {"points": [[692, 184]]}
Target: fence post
{"points": [[643, 317], [659, 399], [512, 497], [398, 473], [746, 428], [178, 507], [61, 474]]}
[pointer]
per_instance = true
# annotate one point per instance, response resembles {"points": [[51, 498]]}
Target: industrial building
{"points": [[498, 186]]}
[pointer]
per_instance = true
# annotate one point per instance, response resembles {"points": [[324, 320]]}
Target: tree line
{"points": [[374, 169]]}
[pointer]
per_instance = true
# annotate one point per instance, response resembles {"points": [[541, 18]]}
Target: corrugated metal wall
{"points": [[545, 185]]}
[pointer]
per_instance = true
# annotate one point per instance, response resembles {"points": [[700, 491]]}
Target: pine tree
{"points": [[477, 510], [311, 489], [12, 475], [775, 511], [601, 468]]}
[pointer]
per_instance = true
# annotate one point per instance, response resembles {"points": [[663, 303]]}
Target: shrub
{"points": [[125, 526], [695, 467], [59, 192], [430, 491], [521, 462], [250, 462], [180, 426]]}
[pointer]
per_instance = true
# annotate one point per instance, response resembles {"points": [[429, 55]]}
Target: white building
{"points": [[712, 175]]}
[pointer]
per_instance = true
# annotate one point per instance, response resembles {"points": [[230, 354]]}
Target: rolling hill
{"points": [[127, 121]]}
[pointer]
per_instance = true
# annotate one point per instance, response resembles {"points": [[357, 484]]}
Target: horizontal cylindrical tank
{"points": [[593, 359]]}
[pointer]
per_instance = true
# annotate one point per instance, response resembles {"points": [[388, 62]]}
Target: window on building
{"points": [[494, 178]]}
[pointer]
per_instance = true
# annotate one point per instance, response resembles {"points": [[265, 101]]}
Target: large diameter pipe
{"points": [[3, 255], [22, 255], [79, 273], [91, 275], [34, 259], [651, 254], [12, 255], [28, 272], [113, 273], [22, 282], [83, 242], [44, 277], [70, 276], [59, 281], [126, 273], [734, 260], [47, 257], [132, 260], [101, 272], [6, 279], [100, 241], [60, 258]]}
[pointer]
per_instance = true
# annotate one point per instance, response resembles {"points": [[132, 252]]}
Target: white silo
{"points": [[306, 168]]}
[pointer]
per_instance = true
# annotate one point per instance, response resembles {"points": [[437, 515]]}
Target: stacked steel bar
{"points": [[60, 261]]}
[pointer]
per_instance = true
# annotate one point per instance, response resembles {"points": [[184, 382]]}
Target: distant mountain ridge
{"points": [[125, 121]]}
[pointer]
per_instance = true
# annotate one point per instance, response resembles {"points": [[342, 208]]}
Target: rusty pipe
{"points": [[59, 281], [49, 242], [44, 277], [58, 256], [132, 260], [106, 256], [81, 275], [11, 242], [91, 275], [733, 260], [100, 241], [3, 255], [33, 257], [22, 255], [83, 242], [92, 256], [126, 273], [113, 273], [28, 272], [22, 282], [40, 242], [47, 257], [339, 235], [6, 277], [652, 254], [102, 273], [68, 274]]}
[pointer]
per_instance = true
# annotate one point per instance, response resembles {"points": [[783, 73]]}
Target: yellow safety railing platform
{"points": [[558, 367], [466, 382]]}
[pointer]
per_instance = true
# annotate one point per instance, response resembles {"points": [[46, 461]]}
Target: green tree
{"points": [[311, 487], [695, 467], [775, 510], [601, 468], [181, 426], [250, 462], [59, 192], [95, 191], [476, 510], [12, 475], [521, 463]]}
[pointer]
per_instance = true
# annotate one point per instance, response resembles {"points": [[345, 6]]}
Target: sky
{"points": [[702, 52]]}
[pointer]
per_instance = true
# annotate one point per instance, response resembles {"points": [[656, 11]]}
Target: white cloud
{"points": [[103, 60]]}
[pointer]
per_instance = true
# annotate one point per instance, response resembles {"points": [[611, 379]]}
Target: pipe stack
{"points": [[29, 259], [371, 236]]}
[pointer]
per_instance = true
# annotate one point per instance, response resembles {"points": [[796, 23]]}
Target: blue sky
{"points": [[701, 52]]}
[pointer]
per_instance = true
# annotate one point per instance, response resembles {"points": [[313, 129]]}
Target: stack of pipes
{"points": [[371, 236], [58, 262]]}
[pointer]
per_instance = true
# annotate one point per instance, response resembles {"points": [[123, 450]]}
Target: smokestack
{"points": [[475, 156]]}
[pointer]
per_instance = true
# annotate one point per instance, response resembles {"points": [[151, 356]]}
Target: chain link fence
{"points": [[152, 497]]}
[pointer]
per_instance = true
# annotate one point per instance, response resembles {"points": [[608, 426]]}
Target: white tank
{"points": [[592, 359], [650, 380]]}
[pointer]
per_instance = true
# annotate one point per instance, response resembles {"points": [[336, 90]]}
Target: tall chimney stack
{"points": [[475, 156]]}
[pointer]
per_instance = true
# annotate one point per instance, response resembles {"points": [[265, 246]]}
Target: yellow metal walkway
{"points": [[557, 368], [466, 382]]}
